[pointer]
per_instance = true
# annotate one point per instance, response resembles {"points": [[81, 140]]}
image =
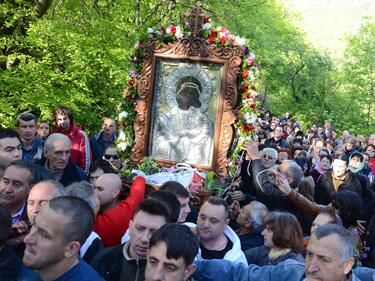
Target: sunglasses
{"points": [[269, 157], [114, 157]]}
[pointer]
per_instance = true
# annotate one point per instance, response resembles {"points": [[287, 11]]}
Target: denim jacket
{"points": [[222, 270], [289, 270]]}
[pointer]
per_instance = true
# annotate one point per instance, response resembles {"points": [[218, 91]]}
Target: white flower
{"points": [[122, 115], [206, 26], [122, 146], [122, 136], [168, 30], [136, 45], [241, 41], [178, 32], [150, 30]]}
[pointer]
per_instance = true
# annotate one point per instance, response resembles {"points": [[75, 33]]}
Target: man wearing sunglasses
{"points": [[111, 156]]}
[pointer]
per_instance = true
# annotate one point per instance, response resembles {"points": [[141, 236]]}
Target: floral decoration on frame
{"points": [[248, 83]]}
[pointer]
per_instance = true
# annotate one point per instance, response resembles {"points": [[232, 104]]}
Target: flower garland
{"points": [[220, 37]]}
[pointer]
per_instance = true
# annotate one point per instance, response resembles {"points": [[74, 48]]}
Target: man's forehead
{"points": [[326, 246], [211, 210], [148, 220], [9, 142], [48, 219], [16, 171], [42, 190]]}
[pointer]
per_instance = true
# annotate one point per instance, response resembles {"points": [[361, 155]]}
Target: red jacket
{"points": [[112, 224], [81, 153]]}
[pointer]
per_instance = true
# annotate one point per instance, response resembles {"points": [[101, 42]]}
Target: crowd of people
{"points": [[302, 206]]}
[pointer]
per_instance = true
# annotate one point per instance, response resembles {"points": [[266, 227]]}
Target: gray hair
{"points": [[48, 144], [347, 241], [59, 189], [83, 190], [257, 216], [294, 172], [270, 150]]}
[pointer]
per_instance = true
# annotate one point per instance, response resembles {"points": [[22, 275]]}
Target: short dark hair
{"points": [[342, 157], [26, 166], [217, 201], [9, 133], [154, 207], [80, 214], [170, 200], [63, 110], [176, 188], [287, 232], [349, 206], [180, 242], [102, 164], [25, 116], [5, 224]]}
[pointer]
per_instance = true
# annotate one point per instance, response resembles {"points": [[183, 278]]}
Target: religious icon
{"points": [[184, 113]]}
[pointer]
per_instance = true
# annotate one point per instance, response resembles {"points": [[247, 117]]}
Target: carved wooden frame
{"points": [[193, 49]]}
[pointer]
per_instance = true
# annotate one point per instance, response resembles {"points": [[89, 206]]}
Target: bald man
{"points": [[41, 193], [115, 214], [108, 187]]}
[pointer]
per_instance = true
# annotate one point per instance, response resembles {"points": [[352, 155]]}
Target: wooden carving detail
{"points": [[196, 49]]}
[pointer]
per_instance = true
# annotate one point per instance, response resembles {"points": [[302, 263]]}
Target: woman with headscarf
{"points": [[322, 165]]}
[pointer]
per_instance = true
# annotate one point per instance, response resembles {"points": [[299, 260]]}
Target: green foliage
{"points": [[79, 54]]}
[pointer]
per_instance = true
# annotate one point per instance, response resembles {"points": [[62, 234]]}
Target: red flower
{"points": [[131, 82], [162, 29], [213, 33], [244, 88], [206, 20], [223, 40], [245, 73], [211, 39], [252, 105], [247, 127], [173, 29]]}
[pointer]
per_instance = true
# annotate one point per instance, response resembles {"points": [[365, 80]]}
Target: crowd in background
{"points": [[301, 206]]}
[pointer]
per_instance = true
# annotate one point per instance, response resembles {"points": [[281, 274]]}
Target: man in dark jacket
{"points": [[128, 261], [57, 151]]}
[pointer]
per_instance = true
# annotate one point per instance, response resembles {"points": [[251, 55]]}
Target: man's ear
{"points": [[189, 270], [72, 249], [227, 221], [348, 265]]}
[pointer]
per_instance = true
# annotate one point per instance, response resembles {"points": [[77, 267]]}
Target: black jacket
{"points": [[109, 263], [10, 264], [324, 188]]}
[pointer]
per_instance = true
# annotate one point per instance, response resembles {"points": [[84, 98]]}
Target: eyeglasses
{"points": [[269, 157], [114, 157]]}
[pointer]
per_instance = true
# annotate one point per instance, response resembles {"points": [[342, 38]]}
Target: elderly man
{"points": [[104, 138], [41, 193], [32, 147], [128, 261], [218, 240], [329, 257], [53, 244], [80, 144], [10, 148], [57, 151], [251, 220]]}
